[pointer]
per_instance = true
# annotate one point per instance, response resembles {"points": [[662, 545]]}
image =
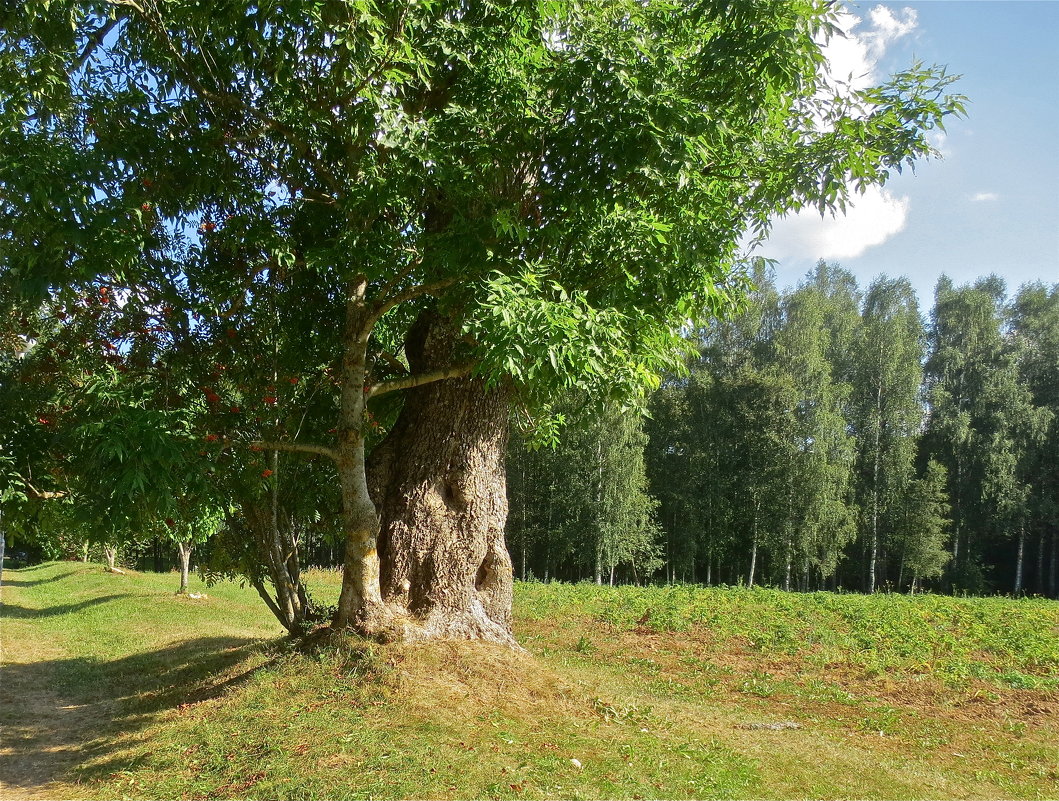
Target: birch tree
{"points": [[887, 410]]}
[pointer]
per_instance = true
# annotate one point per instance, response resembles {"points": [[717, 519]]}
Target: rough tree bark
{"points": [[438, 481]]}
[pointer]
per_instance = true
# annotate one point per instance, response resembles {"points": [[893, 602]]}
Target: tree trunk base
{"points": [[391, 623]]}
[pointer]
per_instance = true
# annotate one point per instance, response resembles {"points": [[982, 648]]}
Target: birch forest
{"points": [[829, 436]]}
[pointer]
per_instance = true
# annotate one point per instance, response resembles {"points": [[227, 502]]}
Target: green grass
{"points": [[113, 687], [1010, 643]]}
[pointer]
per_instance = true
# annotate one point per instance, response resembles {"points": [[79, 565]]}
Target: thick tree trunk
{"points": [[184, 552], [438, 481], [360, 603], [443, 508]]}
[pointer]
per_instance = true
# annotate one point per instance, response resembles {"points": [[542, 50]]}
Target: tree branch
{"points": [[154, 20], [94, 41], [419, 379], [394, 363], [295, 447], [128, 4], [399, 276], [381, 307], [43, 495]]}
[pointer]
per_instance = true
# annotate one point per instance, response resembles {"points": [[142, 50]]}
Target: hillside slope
{"points": [[114, 687]]}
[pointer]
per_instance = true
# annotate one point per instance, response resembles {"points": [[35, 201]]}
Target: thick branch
{"points": [[394, 363], [94, 41], [384, 305], [296, 447], [419, 379]]}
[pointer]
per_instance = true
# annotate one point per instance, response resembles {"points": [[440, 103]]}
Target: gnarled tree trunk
{"points": [[439, 484]]}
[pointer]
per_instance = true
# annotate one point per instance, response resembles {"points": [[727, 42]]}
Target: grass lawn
{"points": [[114, 687]]}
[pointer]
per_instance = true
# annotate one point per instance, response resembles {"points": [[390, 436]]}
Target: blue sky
{"points": [[991, 205]]}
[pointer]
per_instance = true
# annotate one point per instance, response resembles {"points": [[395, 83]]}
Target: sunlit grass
{"points": [[1008, 642], [155, 696]]}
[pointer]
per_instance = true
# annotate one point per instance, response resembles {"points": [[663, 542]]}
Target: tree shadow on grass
{"points": [[21, 571], [51, 565], [16, 612], [58, 714]]}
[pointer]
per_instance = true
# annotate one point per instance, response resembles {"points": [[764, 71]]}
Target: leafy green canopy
{"points": [[568, 180]]}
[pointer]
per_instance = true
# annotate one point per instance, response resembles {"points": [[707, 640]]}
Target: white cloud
{"points": [[853, 56], [877, 216], [887, 29], [940, 142], [984, 197]]}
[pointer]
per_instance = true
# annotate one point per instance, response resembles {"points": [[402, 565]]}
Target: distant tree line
{"points": [[825, 438]]}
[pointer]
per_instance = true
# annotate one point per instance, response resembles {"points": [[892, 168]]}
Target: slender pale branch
{"points": [[419, 379], [399, 276], [296, 447], [43, 495]]}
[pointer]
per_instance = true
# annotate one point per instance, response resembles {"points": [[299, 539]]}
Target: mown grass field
{"points": [[113, 687]]}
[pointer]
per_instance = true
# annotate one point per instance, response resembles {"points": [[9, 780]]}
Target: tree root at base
{"points": [[390, 623]]}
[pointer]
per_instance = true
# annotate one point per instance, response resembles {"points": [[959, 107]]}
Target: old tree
{"points": [[429, 212]]}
